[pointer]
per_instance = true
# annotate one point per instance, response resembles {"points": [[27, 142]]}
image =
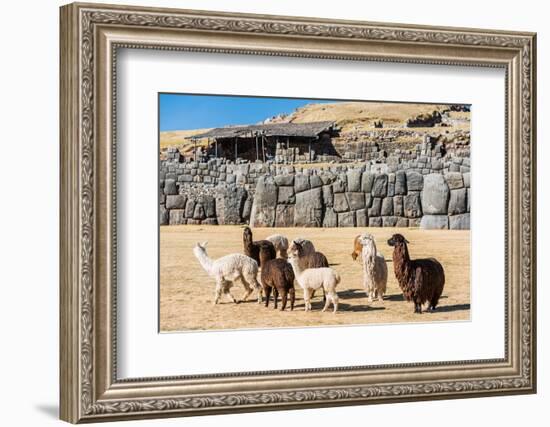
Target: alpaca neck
{"points": [[296, 267], [204, 260], [401, 260]]}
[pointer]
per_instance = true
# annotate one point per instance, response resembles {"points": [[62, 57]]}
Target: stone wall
{"points": [[360, 198], [427, 192]]}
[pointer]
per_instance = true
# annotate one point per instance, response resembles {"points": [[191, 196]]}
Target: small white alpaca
{"points": [[311, 279], [228, 269], [281, 244], [375, 270]]}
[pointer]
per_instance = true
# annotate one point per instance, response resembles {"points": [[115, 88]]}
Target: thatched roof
{"points": [[307, 130]]}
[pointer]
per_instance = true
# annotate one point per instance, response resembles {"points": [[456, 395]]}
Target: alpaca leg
{"points": [[334, 298], [417, 307], [284, 296], [307, 297], [267, 290], [247, 286], [218, 291], [292, 298], [228, 294], [254, 283], [275, 297], [327, 302], [380, 295]]}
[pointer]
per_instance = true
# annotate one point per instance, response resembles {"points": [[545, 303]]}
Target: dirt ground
{"points": [[187, 292]]}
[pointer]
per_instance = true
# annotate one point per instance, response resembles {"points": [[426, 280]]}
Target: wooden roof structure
{"points": [[304, 130]]}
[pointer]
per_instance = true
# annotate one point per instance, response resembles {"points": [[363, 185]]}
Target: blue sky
{"points": [[183, 112]]}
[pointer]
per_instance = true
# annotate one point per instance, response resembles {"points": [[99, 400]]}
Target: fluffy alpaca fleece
{"points": [[306, 246], [308, 257], [311, 279], [277, 275], [281, 244], [357, 247], [420, 280], [375, 270], [253, 249], [228, 269]]}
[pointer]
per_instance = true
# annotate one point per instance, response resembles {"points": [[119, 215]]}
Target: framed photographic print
{"points": [[267, 212]]}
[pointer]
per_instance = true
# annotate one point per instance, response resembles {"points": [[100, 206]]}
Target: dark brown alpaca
{"points": [[420, 280], [277, 275], [253, 249]]}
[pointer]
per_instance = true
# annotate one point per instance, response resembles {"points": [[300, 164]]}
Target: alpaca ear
{"points": [[406, 241], [203, 244]]}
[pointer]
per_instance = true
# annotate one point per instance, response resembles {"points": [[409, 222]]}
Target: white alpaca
{"points": [[228, 269], [281, 244], [311, 279], [375, 270]]}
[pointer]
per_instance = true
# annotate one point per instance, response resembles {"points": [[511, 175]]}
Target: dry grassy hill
{"points": [[349, 116], [353, 115]]}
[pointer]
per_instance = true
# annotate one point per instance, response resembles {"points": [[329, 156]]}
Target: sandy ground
{"points": [[186, 291]]}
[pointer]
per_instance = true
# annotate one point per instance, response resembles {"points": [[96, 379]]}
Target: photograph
{"points": [[289, 212]]}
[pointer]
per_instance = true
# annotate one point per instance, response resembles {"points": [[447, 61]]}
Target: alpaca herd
{"points": [[282, 265]]}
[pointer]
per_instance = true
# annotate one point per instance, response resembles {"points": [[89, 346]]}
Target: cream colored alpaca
{"points": [[311, 279], [375, 270], [228, 269]]}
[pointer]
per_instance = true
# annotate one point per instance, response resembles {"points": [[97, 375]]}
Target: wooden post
{"points": [[216, 149], [309, 148], [257, 149], [263, 148], [235, 149]]}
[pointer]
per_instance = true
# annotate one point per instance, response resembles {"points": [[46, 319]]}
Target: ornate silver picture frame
{"points": [[91, 34]]}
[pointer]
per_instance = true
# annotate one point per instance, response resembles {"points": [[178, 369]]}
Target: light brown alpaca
{"points": [[357, 247]]}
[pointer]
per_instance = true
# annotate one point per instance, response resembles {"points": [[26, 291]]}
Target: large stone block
{"points": [[176, 201], [356, 200], [412, 207], [367, 181], [170, 187], [247, 209], [330, 219], [361, 218], [177, 216], [459, 222], [284, 216], [339, 185], [466, 179], [308, 211], [434, 222], [346, 219], [190, 208], [286, 180], [435, 195], [199, 213], [415, 181], [164, 215], [209, 203], [328, 197], [376, 207], [341, 202], [402, 222], [389, 221], [230, 203], [387, 206], [265, 202], [457, 202], [398, 206], [454, 180], [301, 183], [354, 180], [375, 221], [315, 181], [380, 185], [286, 195]]}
